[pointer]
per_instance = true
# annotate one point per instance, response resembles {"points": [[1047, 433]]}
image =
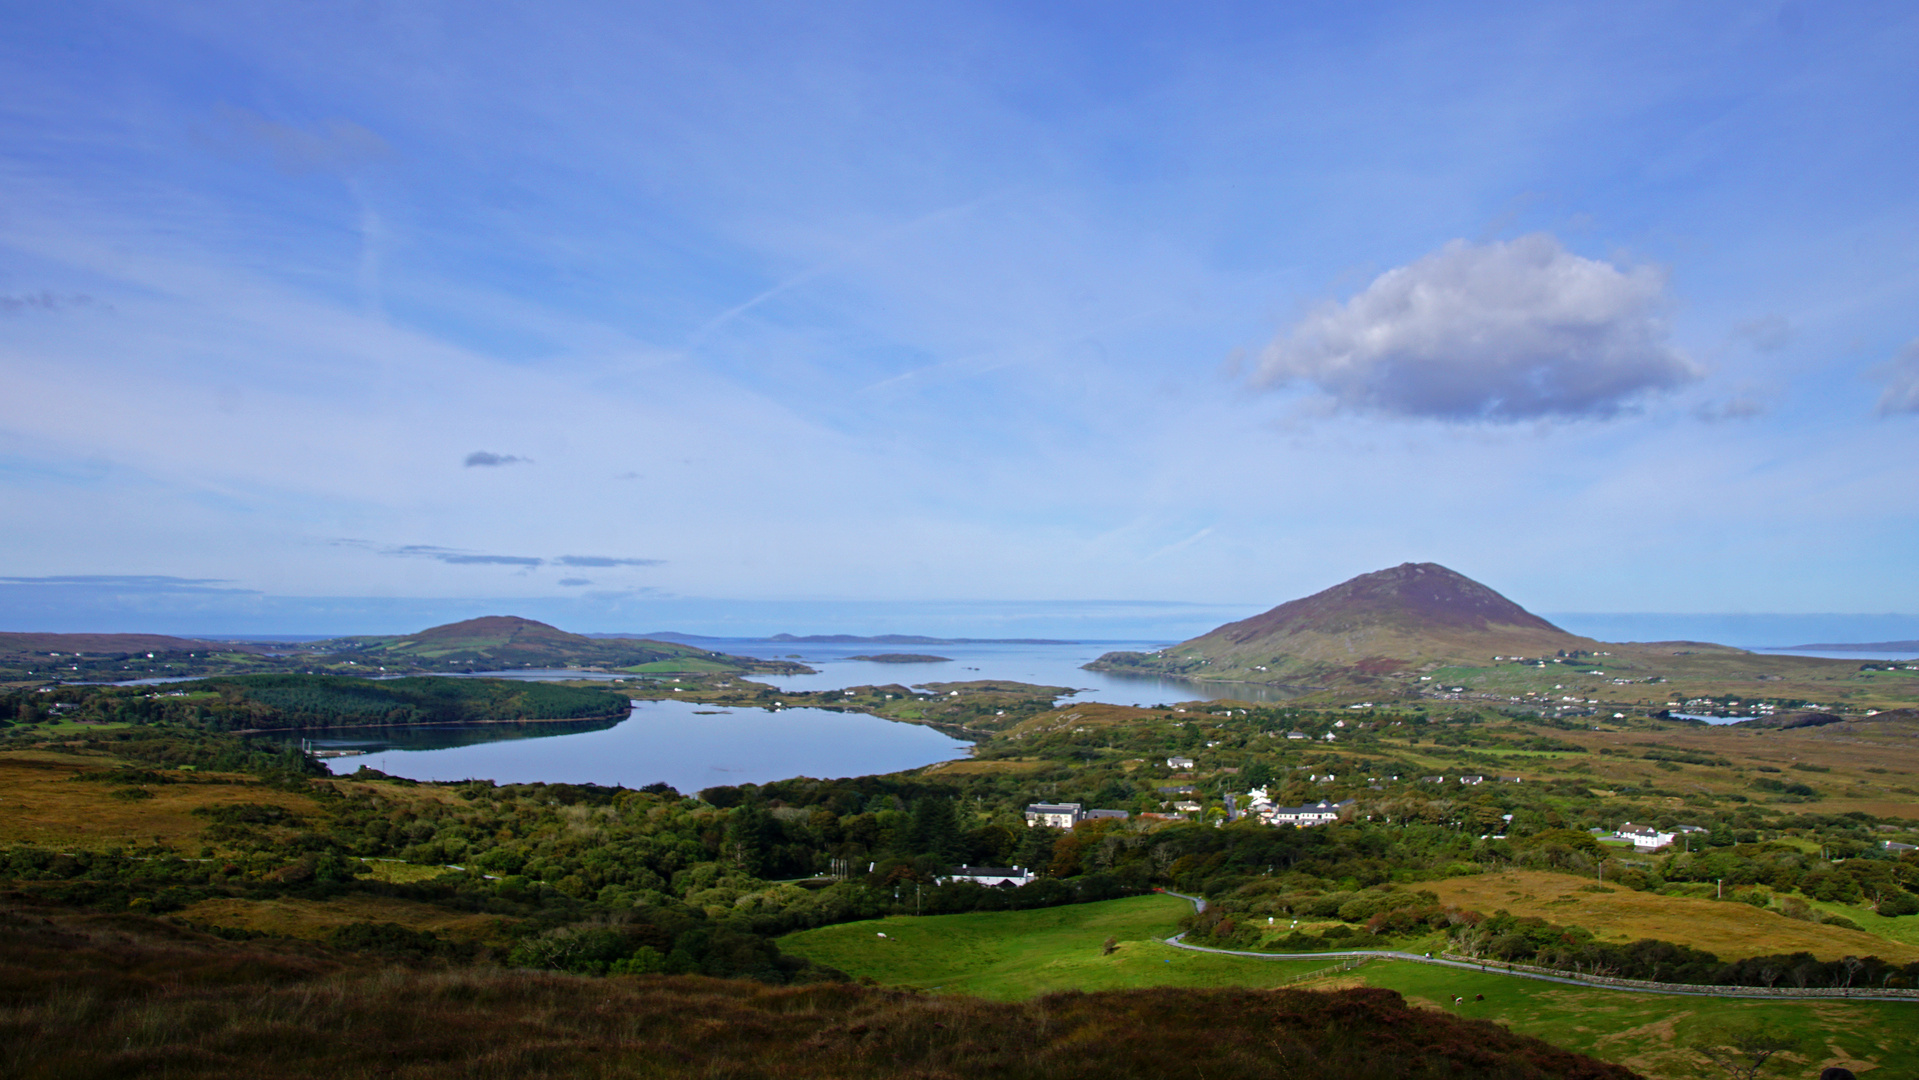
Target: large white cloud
{"points": [[1503, 332], [1902, 382]]}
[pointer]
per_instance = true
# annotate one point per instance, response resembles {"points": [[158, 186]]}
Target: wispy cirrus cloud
{"points": [[1901, 376], [332, 146], [602, 561], [151, 583], [1500, 332], [45, 301], [463, 557]]}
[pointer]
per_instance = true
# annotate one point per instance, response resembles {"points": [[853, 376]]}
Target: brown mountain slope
{"points": [[1411, 596], [1391, 620]]}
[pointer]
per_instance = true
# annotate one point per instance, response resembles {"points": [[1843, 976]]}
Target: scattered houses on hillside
{"points": [[1260, 805]]}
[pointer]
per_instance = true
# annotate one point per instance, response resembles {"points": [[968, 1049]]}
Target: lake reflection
{"points": [[686, 744]]}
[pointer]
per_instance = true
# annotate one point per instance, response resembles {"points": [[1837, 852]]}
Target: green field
{"points": [[1013, 955]]}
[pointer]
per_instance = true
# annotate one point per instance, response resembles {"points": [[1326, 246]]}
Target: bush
{"points": [[1898, 903]]}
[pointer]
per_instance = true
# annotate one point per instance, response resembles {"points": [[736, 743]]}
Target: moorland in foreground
{"points": [[161, 869]]}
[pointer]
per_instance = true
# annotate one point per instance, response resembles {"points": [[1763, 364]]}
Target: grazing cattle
{"points": [[1459, 1000], [1479, 997]]}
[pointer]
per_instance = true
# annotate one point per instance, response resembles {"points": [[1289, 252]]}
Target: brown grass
{"points": [[41, 803], [1730, 930], [314, 919], [123, 996]]}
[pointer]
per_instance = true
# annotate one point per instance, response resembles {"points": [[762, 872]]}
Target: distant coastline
{"points": [[1858, 647]]}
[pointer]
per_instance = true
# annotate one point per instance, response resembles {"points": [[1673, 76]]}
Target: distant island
{"points": [[1859, 647], [903, 658]]}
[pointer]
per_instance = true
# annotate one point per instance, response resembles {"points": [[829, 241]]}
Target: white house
{"points": [[1001, 876], [1058, 815], [1302, 817], [1067, 815], [1644, 837], [1179, 763]]}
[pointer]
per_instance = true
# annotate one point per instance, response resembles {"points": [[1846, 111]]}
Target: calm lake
{"points": [[685, 744], [693, 746]]}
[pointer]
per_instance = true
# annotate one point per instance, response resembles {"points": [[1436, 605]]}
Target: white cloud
{"points": [[1505, 331], [1902, 382]]}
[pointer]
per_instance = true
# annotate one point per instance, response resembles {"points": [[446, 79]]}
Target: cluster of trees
{"points": [[277, 702]]}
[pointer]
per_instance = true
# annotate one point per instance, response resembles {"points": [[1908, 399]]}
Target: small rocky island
{"points": [[904, 658]]}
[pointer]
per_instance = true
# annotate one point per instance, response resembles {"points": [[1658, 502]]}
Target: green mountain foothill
{"points": [[1420, 631]]}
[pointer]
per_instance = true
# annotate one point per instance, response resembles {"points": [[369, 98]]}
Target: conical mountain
{"points": [[1410, 616]]}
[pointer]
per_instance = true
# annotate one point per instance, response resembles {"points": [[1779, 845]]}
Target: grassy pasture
{"points": [[690, 664], [1013, 955], [1016, 955], [1731, 930]]}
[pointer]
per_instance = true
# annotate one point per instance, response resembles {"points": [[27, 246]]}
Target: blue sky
{"points": [[343, 317]]}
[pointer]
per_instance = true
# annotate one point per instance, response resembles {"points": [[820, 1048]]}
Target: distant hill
{"points": [[14, 645], [508, 642], [112, 657], [1388, 621]]}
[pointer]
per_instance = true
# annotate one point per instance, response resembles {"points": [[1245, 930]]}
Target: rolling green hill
{"points": [[508, 642]]}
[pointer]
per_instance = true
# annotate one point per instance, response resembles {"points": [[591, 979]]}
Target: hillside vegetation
{"points": [[125, 995], [277, 702]]}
